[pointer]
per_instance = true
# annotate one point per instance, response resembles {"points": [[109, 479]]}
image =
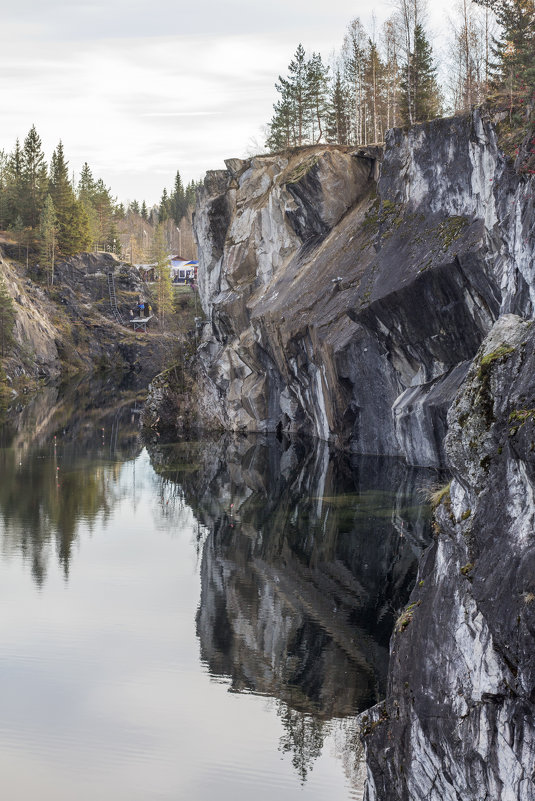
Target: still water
{"points": [[192, 621]]}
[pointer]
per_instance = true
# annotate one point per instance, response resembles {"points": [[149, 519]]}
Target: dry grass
{"points": [[434, 494]]}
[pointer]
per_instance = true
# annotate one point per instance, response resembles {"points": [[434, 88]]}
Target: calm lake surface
{"points": [[195, 621]]}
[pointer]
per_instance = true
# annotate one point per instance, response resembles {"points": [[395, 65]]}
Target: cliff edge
{"points": [[346, 291]]}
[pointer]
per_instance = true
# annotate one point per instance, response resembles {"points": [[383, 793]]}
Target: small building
{"points": [[183, 271]]}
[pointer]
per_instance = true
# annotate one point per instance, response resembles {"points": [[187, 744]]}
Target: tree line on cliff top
{"points": [[47, 212], [379, 81]]}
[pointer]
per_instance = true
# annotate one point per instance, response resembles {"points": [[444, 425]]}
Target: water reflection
{"points": [[309, 556], [60, 460], [303, 559]]}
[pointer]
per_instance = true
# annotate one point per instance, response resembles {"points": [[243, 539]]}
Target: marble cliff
{"points": [[346, 291], [381, 299]]}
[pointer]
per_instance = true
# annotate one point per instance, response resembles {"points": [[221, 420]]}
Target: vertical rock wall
{"points": [[346, 291], [459, 718]]}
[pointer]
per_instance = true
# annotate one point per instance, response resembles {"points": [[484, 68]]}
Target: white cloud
{"points": [[140, 90]]}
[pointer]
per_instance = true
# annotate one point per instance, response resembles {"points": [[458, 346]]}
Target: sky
{"points": [[142, 88]]}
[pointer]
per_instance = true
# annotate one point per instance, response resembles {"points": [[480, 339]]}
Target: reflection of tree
{"points": [[303, 739], [60, 462]]}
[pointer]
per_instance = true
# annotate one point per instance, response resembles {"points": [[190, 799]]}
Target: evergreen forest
{"points": [[387, 78]]}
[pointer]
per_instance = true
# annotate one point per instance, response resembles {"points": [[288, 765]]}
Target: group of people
{"points": [[142, 309]]}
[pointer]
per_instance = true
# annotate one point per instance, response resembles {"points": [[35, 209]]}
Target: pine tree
{"points": [[34, 179], [133, 207], [86, 185], [48, 235], [13, 184], [63, 198], [7, 319], [164, 208], [144, 213], [290, 124], [177, 201], [160, 257], [299, 92]]}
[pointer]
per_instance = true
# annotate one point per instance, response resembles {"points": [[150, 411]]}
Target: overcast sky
{"points": [[141, 88]]}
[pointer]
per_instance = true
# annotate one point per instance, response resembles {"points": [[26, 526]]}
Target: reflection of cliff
{"points": [[59, 463], [308, 557]]}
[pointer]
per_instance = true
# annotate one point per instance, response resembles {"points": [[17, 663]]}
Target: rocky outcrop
{"points": [[346, 290], [69, 327], [459, 718]]}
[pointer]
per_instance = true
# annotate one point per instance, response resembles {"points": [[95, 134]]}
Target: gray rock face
{"points": [[459, 719], [346, 291]]}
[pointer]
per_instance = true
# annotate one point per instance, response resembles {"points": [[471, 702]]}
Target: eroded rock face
{"points": [[459, 719], [348, 307], [70, 327]]}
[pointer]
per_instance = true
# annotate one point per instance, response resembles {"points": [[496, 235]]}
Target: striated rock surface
{"points": [[346, 291], [459, 718]]}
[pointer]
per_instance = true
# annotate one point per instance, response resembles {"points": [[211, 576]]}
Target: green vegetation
{"points": [[451, 229], [50, 216], [521, 416], [406, 617], [467, 569], [500, 353], [381, 81]]}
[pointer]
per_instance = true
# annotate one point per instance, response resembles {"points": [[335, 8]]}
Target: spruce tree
{"points": [[63, 198], [75, 235], [514, 50], [144, 213], [34, 179], [420, 95], [338, 117], [177, 201], [13, 185], [103, 203], [86, 185], [164, 208]]}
